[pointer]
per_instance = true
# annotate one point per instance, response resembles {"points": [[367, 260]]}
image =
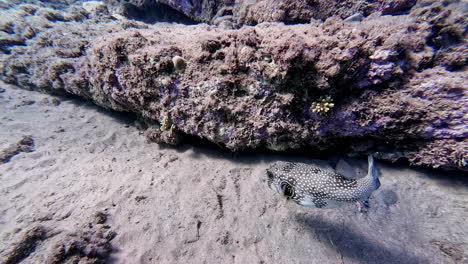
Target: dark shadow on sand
{"points": [[451, 179], [125, 118], [202, 148], [357, 246]]}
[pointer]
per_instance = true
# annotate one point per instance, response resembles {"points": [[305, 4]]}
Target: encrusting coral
{"points": [[166, 124], [323, 105]]}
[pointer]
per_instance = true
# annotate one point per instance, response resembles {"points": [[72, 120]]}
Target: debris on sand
{"points": [[26, 144]]}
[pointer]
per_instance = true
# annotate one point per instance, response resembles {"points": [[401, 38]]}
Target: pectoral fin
{"points": [[317, 203]]}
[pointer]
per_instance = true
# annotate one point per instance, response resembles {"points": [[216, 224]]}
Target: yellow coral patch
{"points": [[323, 105]]}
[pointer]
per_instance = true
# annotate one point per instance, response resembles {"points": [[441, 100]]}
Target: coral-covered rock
{"points": [[252, 12], [56, 4], [395, 85], [294, 12], [183, 11]]}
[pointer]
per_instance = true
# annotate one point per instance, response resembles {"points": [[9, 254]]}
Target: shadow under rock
{"points": [[356, 245], [124, 118], [452, 179], [203, 148]]}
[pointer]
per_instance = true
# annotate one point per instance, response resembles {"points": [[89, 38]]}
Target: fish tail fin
{"points": [[373, 172]]}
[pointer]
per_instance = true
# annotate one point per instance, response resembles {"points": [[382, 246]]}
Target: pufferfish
{"points": [[312, 186]]}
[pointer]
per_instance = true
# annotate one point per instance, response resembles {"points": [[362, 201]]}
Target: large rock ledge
{"points": [[393, 85], [234, 14]]}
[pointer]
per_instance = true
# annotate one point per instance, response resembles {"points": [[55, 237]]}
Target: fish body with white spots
{"points": [[313, 186]]}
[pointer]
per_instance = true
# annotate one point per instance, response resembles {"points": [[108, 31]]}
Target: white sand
{"points": [[202, 205]]}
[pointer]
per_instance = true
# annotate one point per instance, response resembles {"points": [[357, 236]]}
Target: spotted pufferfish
{"points": [[312, 186]]}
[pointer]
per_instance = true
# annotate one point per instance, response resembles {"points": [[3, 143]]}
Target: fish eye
{"points": [[287, 188]]}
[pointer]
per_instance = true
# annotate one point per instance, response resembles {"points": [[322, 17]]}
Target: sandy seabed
{"points": [[87, 187]]}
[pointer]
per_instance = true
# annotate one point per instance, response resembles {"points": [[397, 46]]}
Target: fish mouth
{"points": [[277, 189], [274, 187]]}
